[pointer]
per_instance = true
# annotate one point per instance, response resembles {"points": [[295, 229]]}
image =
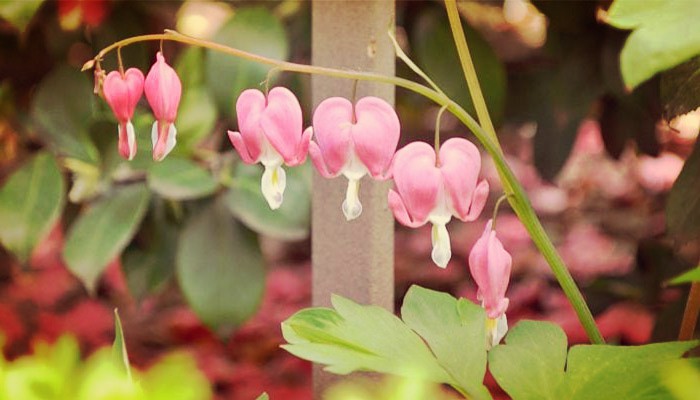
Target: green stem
{"points": [[518, 198], [465, 59]]}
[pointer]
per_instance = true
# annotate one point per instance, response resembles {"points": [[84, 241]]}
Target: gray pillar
{"points": [[354, 259]]}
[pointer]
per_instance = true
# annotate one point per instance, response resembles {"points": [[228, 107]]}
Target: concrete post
{"points": [[354, 259]]}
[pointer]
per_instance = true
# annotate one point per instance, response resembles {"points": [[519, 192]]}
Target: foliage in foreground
{"points": [[444, 340]]}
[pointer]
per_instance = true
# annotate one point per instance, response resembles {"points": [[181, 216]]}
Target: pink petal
{"points": [[163, 90], [318, 161], [332, 124], [460, 163], [481, 194], [376, 135], [417, 180], [241, 148], [281, 123], [303, 149], [249, 110], [398, 208], [490, 266], [123, 93]]}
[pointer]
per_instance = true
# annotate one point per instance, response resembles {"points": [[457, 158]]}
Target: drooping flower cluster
{"points": [[349, 139], [123, 90]]}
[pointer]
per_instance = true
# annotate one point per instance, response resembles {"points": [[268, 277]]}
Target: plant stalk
{"points": [[690, 315], [518, 198]]}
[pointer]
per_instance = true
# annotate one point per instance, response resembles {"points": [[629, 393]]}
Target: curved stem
{"points": [[400, 54], [438, 118], [518, 199]]}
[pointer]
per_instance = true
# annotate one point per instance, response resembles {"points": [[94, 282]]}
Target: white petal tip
{"points": [[352, 211], [440, 257], [273, 183]]}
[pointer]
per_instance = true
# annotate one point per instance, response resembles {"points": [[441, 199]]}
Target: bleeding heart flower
{"points": [[490, 265], [354, 141], [429, 191], [271, 133], [163, 90], [122, 93]]}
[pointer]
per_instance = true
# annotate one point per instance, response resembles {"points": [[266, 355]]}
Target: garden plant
{"points": [[438, 338]]}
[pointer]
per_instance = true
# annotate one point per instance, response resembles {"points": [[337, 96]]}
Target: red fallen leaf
{"points": [[114, 278], [73, 13], [50, 327], [184, 327], [91, 322], [629, 322], [11, 326], [44, 287]]}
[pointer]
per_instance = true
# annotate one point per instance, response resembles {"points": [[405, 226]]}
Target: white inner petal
{"points": [[274, 179], [442, 250], [495, 330], [131, 139], [171, 141], [352, 208], [273, 183]]}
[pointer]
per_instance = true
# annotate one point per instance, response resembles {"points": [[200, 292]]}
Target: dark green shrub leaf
{"points": [[680, 89], [220, 268], [103, 231], [64, 120], [31, 201], [252, 29], [289, 222], [683, 205], [180, 179]]}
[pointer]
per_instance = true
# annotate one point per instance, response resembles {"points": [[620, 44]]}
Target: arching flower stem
{"points": [[438, 118], [518, 199]]}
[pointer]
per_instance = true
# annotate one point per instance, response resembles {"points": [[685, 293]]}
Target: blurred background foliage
{"points": [[195, 228]]}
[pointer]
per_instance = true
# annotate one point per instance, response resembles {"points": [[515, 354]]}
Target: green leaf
{"points": [[19, 13], [119, 353], [102, 232], [252, 29], [541, 346], [680, 88], [149, 265], [683, 205], [664, 35], [196, 119], [31, 201], [176, 377], [180, 179], [263, 396], [455, 331], [691, 276], [436, 54], [220, 268], [64, 120], [289, 222], [354, 337], [531, 365]]}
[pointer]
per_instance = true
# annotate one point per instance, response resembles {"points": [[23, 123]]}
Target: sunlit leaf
{"points": [[664, 35], [533, 364], [102, 232], [291, 221], [690, 276], [220, 268], [252, 29], [31, 200], [119, 353], [19, 13], [353, 337]]}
